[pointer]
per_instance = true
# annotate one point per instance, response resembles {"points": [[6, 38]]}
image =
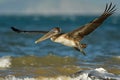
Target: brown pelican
{"points": [[73, 38]]}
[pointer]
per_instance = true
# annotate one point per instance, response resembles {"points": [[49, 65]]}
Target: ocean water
{"points": [[21, 58]]}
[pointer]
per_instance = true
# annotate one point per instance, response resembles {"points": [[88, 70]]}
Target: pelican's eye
{"points": [[56, 30]]}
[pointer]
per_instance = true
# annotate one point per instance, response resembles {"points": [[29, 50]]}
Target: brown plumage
{"points": [[73, 38], [90, 27]]}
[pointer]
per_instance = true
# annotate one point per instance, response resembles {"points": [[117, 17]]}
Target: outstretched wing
{"points": [[25, 31], [90, 27]]}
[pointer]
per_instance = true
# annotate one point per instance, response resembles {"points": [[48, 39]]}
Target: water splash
{"points": [[5, 62]]}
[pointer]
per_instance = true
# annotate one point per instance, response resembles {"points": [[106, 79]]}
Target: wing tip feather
{"points": [[110, 8], [15, 29]]}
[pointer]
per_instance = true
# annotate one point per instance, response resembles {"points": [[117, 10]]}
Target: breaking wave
{"points": [[94, 74], [34, 61], [16, 66]]}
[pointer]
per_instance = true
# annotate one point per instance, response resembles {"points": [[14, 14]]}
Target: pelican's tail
{"points": [[83, 45]]}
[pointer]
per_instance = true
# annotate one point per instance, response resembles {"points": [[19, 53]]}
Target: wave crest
{"points": [[5, 62]]}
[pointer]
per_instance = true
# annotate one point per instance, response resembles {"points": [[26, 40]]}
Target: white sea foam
{"points": [[10, 77], [118, 57], [5, 62], [95, 74]]}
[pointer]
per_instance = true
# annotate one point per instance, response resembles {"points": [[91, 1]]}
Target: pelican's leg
{"points": [[79, 46]]}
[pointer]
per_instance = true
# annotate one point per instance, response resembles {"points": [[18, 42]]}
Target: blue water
{"points": [[103, 43]]}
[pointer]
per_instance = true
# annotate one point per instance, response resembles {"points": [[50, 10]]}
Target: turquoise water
{"points": [[103, 48]]}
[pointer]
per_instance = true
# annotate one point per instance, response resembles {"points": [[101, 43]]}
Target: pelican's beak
{"points": [[46, 36]]}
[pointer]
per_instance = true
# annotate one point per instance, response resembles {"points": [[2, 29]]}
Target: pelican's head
{"points": [[50, 34]]}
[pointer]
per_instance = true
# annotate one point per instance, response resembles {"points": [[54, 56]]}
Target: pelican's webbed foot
{"points": [[81, 50]]}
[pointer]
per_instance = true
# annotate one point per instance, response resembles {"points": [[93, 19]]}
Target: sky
{"points": [[54, 7]]}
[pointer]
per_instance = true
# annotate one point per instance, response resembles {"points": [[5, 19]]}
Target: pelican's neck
{"points": [[53, 38]]}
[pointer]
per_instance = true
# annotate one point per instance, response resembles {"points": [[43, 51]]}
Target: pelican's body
{"points": [[64, 40], [73, 38]]}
